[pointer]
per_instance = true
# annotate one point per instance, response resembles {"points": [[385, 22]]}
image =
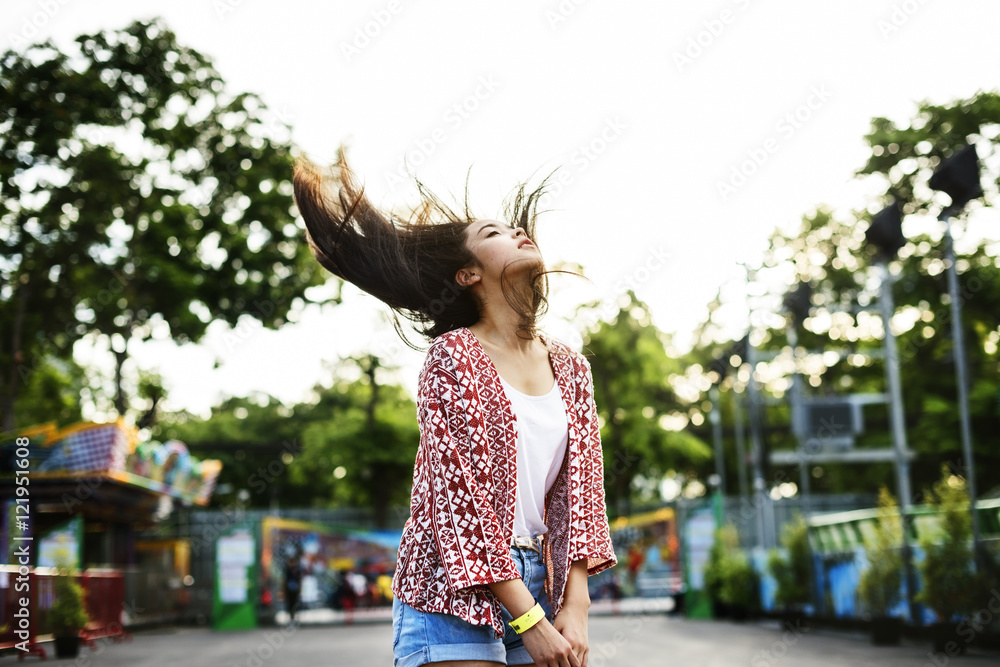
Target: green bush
{"points": [[880, 582], [740, 583], [67, 615], [949, 580], [729, 575], [726, 541], [792, 574]]}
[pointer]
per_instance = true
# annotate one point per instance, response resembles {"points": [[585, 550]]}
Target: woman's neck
{"points": [[500, 327]]}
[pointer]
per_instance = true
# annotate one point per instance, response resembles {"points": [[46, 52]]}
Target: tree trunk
{"points": [[121, 405], [120, 358], [16, 357]]}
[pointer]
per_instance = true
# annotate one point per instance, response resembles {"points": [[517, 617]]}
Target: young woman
{"points": [[507, 513]]}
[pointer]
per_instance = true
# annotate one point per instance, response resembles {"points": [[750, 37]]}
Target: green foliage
{"points": [[139, 199], [906, 153], [729, 575], [828, 249], [256, 438], [879, 588], [373, 438], [68, 615], [793, 573], [740, 582], [632, 374], [949, 579], [51, 392], [292, 455]]}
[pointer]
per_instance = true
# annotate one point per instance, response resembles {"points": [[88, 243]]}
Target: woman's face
{"points": [[496, 245]]}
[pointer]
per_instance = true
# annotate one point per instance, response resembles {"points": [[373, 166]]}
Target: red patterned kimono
{"points": [[461, 523]]}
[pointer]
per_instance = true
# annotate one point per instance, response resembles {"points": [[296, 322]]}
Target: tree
{"points": [[138, 200], [256, 438], [52, 392], [643, 420], [840, 341], [367, 447]]}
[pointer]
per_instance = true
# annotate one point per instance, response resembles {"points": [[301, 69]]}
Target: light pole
{"points": [[765, 506], [797, 304], [716, 418], [886, 234], [959, 178]]}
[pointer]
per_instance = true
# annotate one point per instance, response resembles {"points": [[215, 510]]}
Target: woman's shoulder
{"points": [[447, 351], [448, 344], [561, 349]]}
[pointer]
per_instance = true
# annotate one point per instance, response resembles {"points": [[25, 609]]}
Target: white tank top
{"points": [[542, 436]]}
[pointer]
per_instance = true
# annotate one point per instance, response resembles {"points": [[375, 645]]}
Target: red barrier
{"points": [[104, 598]]}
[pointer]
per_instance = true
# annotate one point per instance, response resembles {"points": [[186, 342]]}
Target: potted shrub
{"points": [[949, 580], [793, 573], [67, 617], [740, 585], [730, 580], [879, 588], [727, 541]]}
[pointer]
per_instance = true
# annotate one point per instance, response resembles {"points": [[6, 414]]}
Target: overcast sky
{"points": [[686, 132]]}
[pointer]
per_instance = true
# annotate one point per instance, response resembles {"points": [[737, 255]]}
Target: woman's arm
{"points": [[544, 641], [468, 534], [595, 546], [571, 622]]}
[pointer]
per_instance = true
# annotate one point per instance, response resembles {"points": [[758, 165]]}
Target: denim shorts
{"points": [[419, 637]]}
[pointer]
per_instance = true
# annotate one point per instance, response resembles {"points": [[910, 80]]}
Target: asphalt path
{"points": [[632, 639]]}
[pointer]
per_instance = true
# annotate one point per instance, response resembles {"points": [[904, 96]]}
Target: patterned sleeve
{"points": [[466, 528], [596, 544]]}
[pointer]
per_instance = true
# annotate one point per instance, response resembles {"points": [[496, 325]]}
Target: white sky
{"points": [[540, 85]]}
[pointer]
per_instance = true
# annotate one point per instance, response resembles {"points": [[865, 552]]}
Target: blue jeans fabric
{"points": [[419, 637]]}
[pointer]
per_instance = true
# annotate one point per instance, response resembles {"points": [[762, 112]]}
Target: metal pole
{"points": [[759, 485], [720, 463], [887, 307], [961, 377], [765, 507], [716, 418], [795, 400], [741, 450]]}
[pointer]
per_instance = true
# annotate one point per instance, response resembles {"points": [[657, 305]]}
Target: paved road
{"points": [[633, 640]]}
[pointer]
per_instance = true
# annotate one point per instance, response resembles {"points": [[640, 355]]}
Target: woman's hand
{"points": [[571, 622], [547, 646]]}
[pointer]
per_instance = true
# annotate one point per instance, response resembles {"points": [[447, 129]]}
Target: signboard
{"points": [[234, 606], [699, 536], [61, 546]]}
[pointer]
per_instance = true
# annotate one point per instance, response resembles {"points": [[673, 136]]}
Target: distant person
{"points": [[508, 427], [293, 585]]}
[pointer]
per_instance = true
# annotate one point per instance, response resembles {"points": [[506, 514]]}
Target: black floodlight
{"points": [[958, 177], [886, 231], [799, 301]]}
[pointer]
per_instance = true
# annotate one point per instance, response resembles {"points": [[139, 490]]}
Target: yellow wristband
{"points": [[528, 619]]}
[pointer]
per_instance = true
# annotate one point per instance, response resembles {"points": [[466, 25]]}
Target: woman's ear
{"points": [[467, 277]]}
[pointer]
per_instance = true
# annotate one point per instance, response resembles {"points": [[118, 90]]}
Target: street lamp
{"points": [[958, 177], [886, 234]]}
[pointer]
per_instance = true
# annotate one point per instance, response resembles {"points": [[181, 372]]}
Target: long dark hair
{"points": [[411, 264]]}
